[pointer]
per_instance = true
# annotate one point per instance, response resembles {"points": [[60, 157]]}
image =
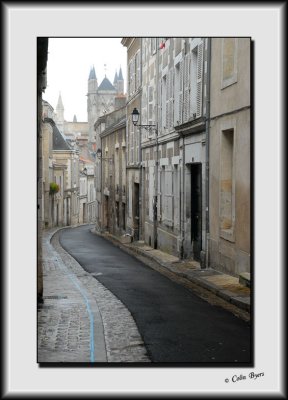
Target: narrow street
{"points": [[175, 325]]}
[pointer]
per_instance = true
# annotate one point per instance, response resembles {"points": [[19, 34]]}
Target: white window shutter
{"points": [[138, 70], [167, 101], [180, 110], [199, 79], [193, 81], [186, 105], [160, 103], [131, 77], [168, 196], [171, 98]]}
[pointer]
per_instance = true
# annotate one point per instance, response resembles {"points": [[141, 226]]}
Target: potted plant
{"points": [[54, 188]]}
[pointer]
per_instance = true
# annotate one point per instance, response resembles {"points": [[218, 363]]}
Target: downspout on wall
{"points": [[140, 155], [207, 149], [182, 184], [155, 211]]}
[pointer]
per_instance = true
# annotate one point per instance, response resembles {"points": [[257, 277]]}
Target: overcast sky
{"points": [[68, 68]]}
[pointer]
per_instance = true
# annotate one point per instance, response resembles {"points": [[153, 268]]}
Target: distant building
{"points": [[87, 212], [61, 167], [101, 98], [110, 131]]}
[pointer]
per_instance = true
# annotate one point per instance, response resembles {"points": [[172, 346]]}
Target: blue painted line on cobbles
{"points": [[91, 318]]}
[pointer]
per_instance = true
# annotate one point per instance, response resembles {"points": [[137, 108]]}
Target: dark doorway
{"points": [[84, 213], [124, 216], [196, 220], [106, 213], [57, 215], [136, 211]]}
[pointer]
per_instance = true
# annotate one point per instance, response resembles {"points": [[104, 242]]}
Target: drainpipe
{"points": [[156, 205], [182, 198], [207, 148], [140, 154]]}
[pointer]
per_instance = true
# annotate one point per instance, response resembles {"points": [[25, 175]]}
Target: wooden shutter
{"points": [[199, 79], [137, 70], [159, 100], [181, 84], [168, 196], [171, 98], [133, 76], [150, 104], [130, 78], [167, 101], [193, 81], [161, 194], [186, 88]]}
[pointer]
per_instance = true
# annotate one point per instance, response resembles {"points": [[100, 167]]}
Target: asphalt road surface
{"points": [[176, 325]]}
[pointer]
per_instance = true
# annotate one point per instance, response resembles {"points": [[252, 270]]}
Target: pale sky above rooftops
{"points": [[68, 68]]}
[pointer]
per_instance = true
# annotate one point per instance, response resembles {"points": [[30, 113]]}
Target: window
{"points": [[227, 185], [137, 70], [229, 61], [176, 195], [134, 74], [167, 195], [164, 102], [168, 99], [178, 93], [196, 80], [186, 88], [150, 105]]}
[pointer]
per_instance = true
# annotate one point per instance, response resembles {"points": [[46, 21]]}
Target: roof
{"points": [[119, 124], [60, 103], [59, 142], [120, 76], [85, 160], [115, 78], [92, 74], [106, 85]]}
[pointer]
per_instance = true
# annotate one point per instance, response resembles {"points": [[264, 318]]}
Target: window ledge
{"points": [[228, 234]]}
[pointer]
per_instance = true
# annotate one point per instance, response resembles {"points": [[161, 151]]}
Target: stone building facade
{"points": [[87, 195], [229, 156], [168, 80], [111, 171], [61, 166], [186, 181], [133, 151]]}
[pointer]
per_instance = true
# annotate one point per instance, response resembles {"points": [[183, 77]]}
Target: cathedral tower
{"points": [[59, 118], [92, 103], [120, 82], [115, 82]]}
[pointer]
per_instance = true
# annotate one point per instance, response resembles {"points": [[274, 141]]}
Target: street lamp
{"points": [[135, 118], [99, 155]]}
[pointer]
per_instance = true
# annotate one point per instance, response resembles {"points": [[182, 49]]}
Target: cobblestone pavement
{"points": [[80, 320]]}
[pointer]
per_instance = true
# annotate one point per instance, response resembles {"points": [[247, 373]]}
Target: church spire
{"points": [[120, 76], [59, 117], [92, 74], [115, 78], [60, 103]]}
